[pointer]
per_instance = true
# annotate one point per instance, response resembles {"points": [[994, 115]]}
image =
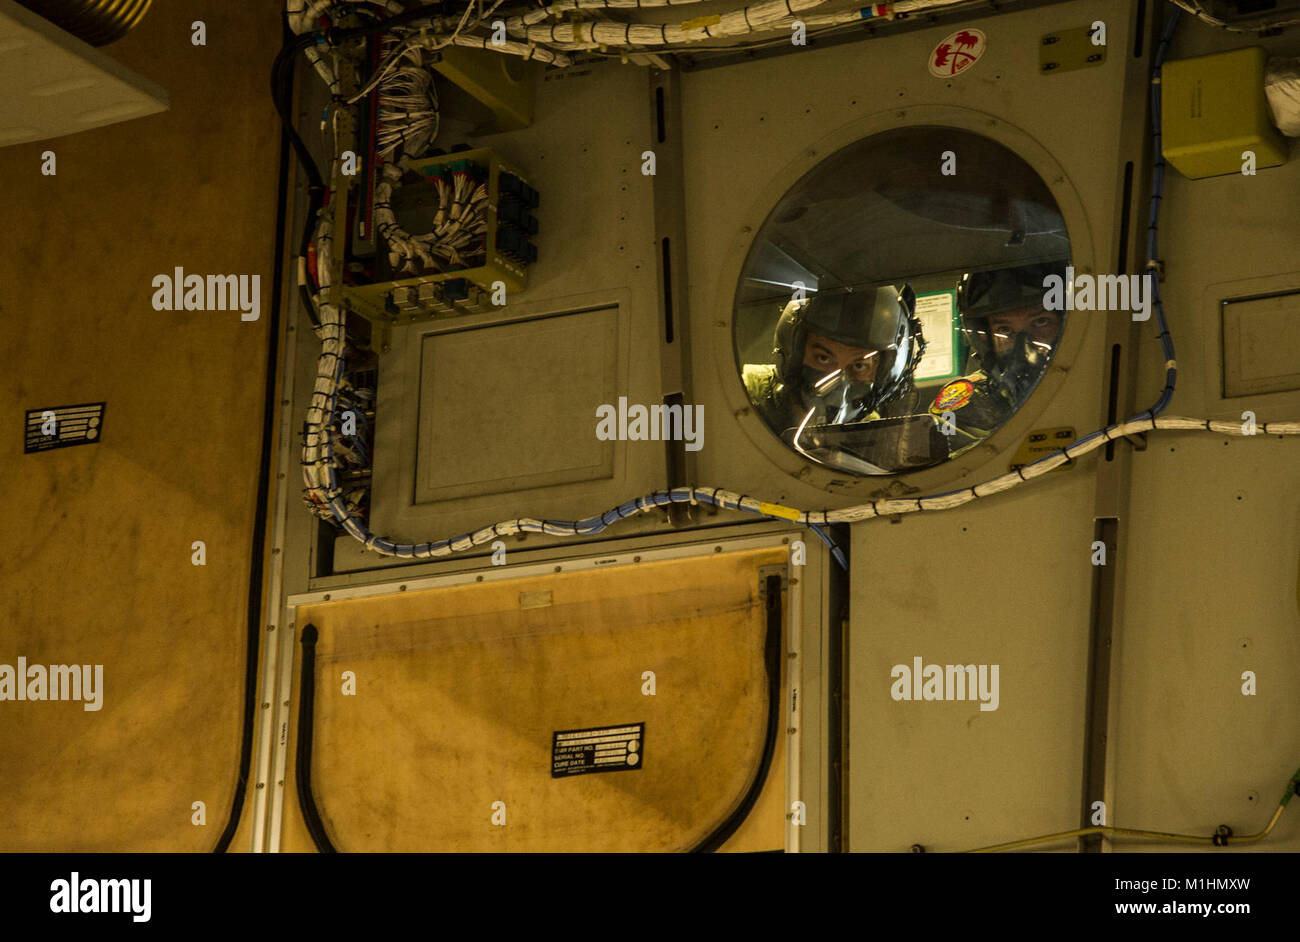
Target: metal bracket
{"points": [[1138, 440], [764, 572], [1069, 49]]}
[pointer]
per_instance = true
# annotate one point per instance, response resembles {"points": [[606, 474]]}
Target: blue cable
{"points": [[1157, 193]]}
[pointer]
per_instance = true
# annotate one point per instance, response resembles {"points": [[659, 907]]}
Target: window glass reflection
{"points": [[889, 317]]}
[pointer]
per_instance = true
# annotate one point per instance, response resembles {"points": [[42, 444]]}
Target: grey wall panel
{"points": [[595, 251], [458, 407], [1212, 577], [1215, 529], [1005, 581]]}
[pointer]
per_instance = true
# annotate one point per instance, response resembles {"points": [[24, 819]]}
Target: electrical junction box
{"points": [[1212, 109], [502, 258], [505, 86]]}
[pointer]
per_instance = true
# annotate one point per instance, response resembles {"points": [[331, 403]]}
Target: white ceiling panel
{"points": [[54, 84]]}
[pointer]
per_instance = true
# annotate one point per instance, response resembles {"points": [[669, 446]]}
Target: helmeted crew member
{"points": [[1013, 335], [840, 358]]}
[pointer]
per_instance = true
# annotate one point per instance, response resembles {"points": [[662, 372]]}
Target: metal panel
{"points": [[1215, 528], [1005, 581], [584, 155], [457, 408], [1261, 344]]}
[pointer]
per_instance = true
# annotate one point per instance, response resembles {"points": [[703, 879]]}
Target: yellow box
{"points": [[1212, 108]]}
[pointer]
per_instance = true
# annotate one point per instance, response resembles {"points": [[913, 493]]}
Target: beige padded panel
{"points": [[97, 568], [459, 691]]}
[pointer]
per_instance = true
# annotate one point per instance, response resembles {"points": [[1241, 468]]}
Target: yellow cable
{"points": [[1291, 788]]}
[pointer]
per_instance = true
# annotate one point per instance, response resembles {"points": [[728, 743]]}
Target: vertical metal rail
{"points": [[668, 185], [264, 837], [793, 683], [1114, 466], [276, 683], [837, 713]]}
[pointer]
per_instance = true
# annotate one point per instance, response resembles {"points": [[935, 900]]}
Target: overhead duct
{"points": [[98, 22]]}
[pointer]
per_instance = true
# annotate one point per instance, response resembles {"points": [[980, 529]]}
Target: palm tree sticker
{"points": [[957, 53]]}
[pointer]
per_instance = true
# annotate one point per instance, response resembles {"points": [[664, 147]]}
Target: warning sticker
{"points": [[603, 749], [63, 426]]}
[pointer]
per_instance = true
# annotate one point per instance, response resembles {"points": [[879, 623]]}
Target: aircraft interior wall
{"points": [[387, 568]]}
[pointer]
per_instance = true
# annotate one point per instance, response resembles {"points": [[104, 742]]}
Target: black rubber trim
{"points": [[282, 95], [302, 762], [838, 600], [772, 661], [256, 560]]}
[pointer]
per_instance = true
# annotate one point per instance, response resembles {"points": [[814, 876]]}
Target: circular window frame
{"points": [[928, 480]]}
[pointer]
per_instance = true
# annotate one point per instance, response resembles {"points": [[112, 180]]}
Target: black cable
{"points": [[281, 95], [772, 661], [302, 763], [260, 508]]}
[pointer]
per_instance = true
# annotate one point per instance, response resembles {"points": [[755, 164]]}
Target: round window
{"points": [[900, 303]]}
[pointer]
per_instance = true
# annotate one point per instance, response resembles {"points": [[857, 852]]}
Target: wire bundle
{"points": [[407, 122], [730, 500], [544, 35], [455, 222], [459, 225], [1258, 25], [322, 464], [305, 16]]}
